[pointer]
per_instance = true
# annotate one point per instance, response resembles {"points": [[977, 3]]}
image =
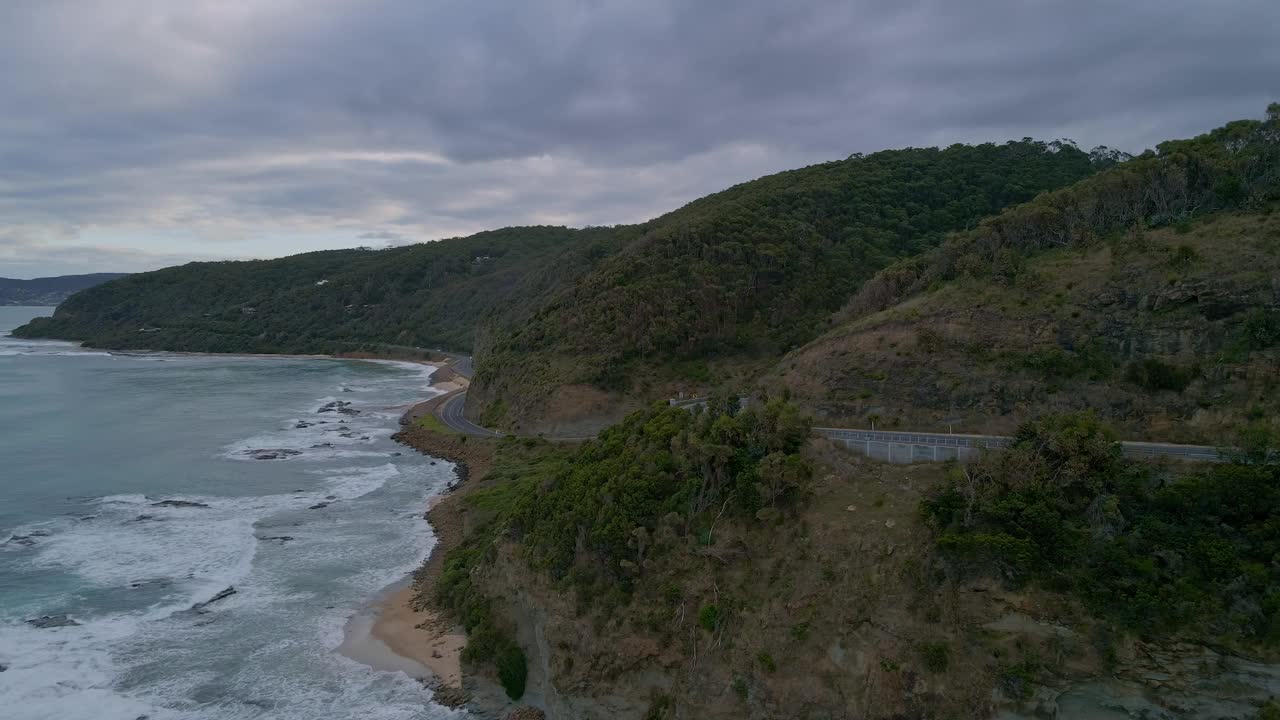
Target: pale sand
{"points": [[450, 385], [394, 636]]}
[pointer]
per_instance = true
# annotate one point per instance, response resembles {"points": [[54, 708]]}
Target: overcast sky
{"points": [[136, 134]]}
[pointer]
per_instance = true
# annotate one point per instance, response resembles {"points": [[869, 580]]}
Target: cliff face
{"points": [[844, 611], [1171, 336]]}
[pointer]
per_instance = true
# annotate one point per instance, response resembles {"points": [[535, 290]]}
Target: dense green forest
{"points": [[430, 295]]}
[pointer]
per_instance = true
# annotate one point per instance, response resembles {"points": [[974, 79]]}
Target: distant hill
{"points": [[48, 291], [430, 295]]}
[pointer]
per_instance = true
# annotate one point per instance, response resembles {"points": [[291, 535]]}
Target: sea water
{"points": [[291, 491]]}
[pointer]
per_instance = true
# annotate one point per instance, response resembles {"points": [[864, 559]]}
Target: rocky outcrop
{"points": [[52, 621], [201, 608], [341, 407], [179, 504], [272, 454]]}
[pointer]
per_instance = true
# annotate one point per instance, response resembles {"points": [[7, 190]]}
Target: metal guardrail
{"points": [[910, 447]]}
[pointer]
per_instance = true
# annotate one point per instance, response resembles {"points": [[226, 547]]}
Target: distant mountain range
{"points": [[48, 291]]}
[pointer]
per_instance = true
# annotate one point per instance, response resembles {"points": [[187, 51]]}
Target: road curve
{"points": [[449, 412]]}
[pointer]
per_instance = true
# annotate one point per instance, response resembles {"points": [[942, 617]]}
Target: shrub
{"points": [[936, 656], [766, 662], [1261, 329], [513, 671], [709, 618], [1183, 256], [1155, 375]]}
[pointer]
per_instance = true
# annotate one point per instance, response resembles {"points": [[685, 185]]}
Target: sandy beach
{"points": [[391, 635]]}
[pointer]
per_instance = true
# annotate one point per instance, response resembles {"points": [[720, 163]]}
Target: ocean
{"points": [[135, 487]]}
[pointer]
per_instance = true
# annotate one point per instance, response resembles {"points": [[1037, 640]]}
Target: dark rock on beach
{"points": [[319, 506], [52, 621]]}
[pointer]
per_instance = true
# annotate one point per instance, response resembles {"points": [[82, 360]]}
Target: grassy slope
{"points": [[986, 356]]}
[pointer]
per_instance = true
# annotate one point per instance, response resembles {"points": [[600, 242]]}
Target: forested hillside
{"points": [[429, 295], [750, 272], [1149, 292], [48, 290]]}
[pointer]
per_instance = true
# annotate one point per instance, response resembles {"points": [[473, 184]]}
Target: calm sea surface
{"points": [[90, 442]]}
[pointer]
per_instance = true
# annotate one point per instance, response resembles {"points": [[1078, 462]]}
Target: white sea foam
{"points": [[203, 550], [352, 483], [68, 673]]}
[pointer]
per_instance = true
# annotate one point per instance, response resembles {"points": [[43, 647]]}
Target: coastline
{"points": [[400, 629]]}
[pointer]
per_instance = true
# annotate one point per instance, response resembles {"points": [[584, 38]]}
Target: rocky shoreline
{"points": [[409, 623]]}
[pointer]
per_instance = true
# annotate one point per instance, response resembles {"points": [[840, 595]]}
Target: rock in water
{"points": [[272, 454], [52, 621], [203, 607], [178, 504]]}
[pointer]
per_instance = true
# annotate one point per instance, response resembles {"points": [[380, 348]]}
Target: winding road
{"points": [[449, 412]]}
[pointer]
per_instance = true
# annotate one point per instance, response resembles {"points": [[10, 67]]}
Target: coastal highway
{"points": [[449, 412], [893, 446]]}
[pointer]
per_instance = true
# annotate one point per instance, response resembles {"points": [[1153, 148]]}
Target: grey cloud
{"points": [[428, 118]]}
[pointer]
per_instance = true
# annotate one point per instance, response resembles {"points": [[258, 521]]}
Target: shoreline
{"points": [[389, 634], [399, 630]]}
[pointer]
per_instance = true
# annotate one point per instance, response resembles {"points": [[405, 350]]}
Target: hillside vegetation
{"points": [[431, 295], [717, 564], [746, 274], [1150, 292]]}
